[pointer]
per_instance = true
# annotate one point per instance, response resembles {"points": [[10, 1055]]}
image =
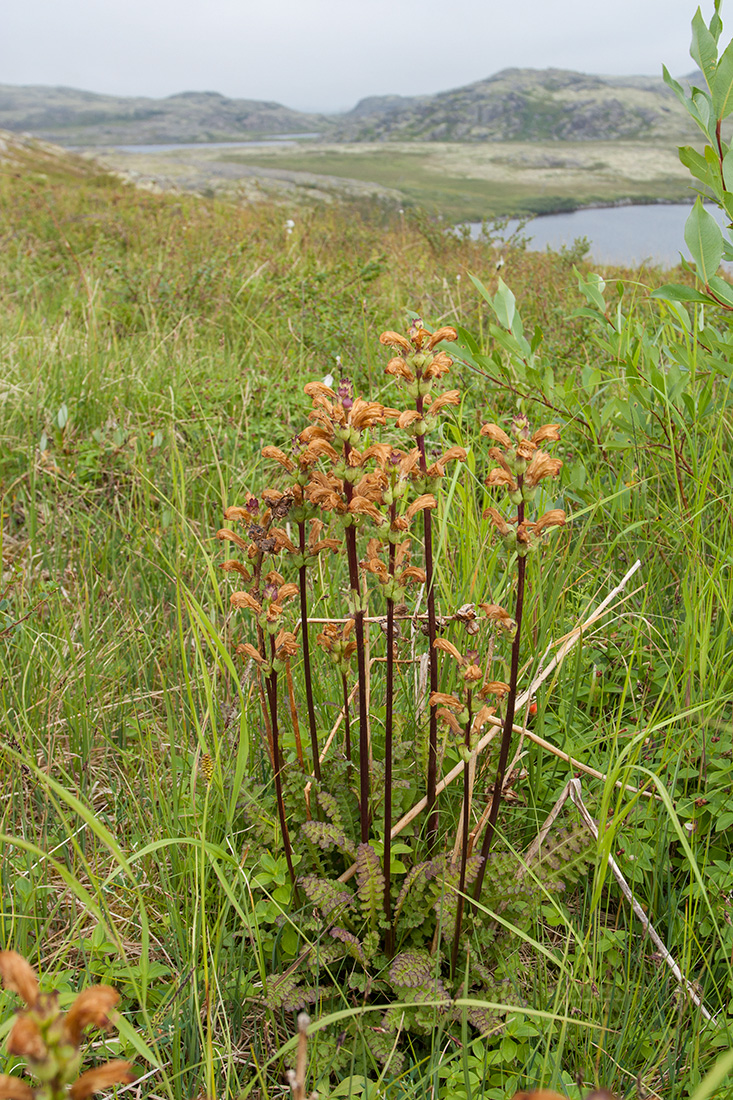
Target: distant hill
{"points": [[524, 105], [513, 105], [72, 117]]}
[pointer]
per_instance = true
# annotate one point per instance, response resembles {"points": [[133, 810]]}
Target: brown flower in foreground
{"points": [[49, 1039]]}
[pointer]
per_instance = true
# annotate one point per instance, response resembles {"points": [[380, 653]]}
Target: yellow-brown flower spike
{"points": [[243, 599], [541, 466], [279, 456], [18, 976], [394, 340], [444, 699], [481, 718], [12, 1088], [427, 500], [498, 476], [447, 333], [448, 647], [498, 521], [246, 649], [286, 644], [493, 431], [496, 614], [546, 432], [399, 369], [554, 518], [25, 1039], [494, 687], [102, 1077], [49, 1040], [91, 1007], [450, 397]]}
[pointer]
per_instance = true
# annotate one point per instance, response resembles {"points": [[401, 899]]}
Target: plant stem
{"points": [[432, 777], [306, 655], [277, 761], [361, 663], [294, 714], [347, 720], [506, 733], [353, 560], [464, 839], [388, 740]]}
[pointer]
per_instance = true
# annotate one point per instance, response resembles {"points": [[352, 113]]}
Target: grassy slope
{"points": [[151, 346]]}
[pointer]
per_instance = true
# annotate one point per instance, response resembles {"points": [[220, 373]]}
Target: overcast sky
{"points": [[324, 55]]}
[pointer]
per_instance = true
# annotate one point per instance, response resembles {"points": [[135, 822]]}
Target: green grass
{"points": [[151, 346], [446, 185]]}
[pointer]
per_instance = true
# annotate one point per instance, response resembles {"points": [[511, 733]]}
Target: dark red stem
{"points": [[388, 740], [506, 733], [353, 560], [277, 764], [307, 657], [431, 808], [347, 721], [464, 842]]}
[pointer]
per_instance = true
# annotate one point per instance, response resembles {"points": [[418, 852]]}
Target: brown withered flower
{"points": [[541, 466], [335, 639], [496, 614], [554, 518], [49, 1039], [493, 431]]}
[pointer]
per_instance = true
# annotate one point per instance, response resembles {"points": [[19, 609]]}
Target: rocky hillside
{"points": [[513, 105], [71, 117], [524, 105], [38, 161]]}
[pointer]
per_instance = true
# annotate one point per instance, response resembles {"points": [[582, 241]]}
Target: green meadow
{"points": [[165, 827], [461, 182]]}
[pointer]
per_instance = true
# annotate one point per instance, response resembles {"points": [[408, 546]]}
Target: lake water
{"points": [[618, 234]]}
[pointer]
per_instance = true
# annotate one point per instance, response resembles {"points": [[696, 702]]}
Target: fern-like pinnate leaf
{"points": [[352, 944], [446, 886], [331, 898], [325, 835], [416, 876], [370, 883], [330, 806], [285, 992], [410, 970]]}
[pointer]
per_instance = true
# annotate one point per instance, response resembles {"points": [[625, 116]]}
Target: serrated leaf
{"points": [[704, 49], [704, 240], [370, 882]]}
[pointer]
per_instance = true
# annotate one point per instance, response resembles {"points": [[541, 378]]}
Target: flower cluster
{"points": [[49, 1039], [521, 466]]}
